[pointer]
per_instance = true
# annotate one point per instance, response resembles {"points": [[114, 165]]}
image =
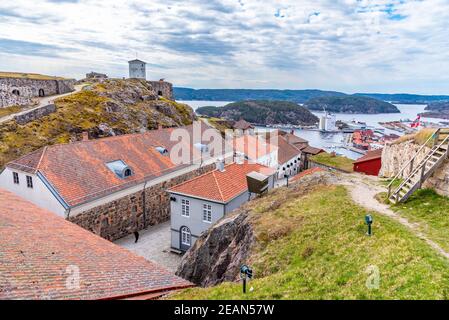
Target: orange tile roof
{"points": [[221, 186], [78, 171], [285, 144], [254, 147], [39, 250]]}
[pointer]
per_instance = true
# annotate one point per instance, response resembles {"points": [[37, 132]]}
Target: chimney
{"points": [[85, 136], [220, 165], [239, 158], [159, 126]]}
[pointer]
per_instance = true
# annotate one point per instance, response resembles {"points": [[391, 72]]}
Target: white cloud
{"points": [[348, 45]]}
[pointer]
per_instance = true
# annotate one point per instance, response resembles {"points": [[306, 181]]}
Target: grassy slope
{"points": [[82, 111], [430, 210], [9, 110], [315, 247], [33, 76], [339, 162]]}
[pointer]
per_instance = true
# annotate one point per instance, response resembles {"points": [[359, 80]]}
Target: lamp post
{"points": [[245, 272], [286, 176], [369, 222]]}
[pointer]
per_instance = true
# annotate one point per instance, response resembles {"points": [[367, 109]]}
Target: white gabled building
{"points": [[197, 204]]}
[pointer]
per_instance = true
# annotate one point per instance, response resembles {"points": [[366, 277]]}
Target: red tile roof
{"points": [[78, 171], [221, 186], [38, 248], [286, 149], [370, 155], [254, 147]]}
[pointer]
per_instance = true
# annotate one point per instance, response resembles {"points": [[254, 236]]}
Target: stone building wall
{"points": [[119, 218], [30, 88], [163, 88], [35, 114], [395, 156], [8, 99]]}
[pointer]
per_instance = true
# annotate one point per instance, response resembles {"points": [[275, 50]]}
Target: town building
{"points": [[137, 69], [96, 76], [306, 154], [288, 155], [293, 139], [44, 257], [370, 163], [243, 127], [257, 149], [200, 202], [111, 186]]}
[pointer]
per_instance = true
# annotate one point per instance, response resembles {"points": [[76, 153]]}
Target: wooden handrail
{"points": [[410, 161], [423, 166]]}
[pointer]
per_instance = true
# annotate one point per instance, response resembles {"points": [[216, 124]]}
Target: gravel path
{"points": [[363, 190], [42, 102]]}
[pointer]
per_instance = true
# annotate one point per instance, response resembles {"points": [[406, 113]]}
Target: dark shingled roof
{"points": [[370, 155], [243, 125], [312, 150], [39, 251]]}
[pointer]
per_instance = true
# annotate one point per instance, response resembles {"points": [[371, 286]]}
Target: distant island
{"points": [[350, 104], [264, 112], [299, 96], [438, 110]]}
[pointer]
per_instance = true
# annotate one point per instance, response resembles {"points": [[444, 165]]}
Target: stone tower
{"points": [[137, 69]]}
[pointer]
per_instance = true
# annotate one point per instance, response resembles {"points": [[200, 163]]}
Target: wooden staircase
{"points": [[424, 169]]}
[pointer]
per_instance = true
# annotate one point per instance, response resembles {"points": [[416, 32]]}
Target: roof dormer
{"points": [[120, 168]]}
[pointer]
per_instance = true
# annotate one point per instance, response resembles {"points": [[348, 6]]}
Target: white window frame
{"points": [[185, 208], [207, 213], [29, 182], [15, 178], [186, 236]]}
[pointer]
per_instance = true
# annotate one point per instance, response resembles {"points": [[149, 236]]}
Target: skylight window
{"points": [[120, 168], [202, 147], [163, 151]]}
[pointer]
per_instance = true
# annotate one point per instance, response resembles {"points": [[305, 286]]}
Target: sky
{"points": [[385, 46]]}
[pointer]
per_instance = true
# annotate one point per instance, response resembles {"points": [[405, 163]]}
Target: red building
{"points": [[370, 163]]}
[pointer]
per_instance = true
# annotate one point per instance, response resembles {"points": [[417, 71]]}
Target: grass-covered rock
{"points": [[314, 246], [113, 107], [334, 161]]}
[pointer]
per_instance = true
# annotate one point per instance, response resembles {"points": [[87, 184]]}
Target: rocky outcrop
{"points": [[218, 254], [112, 107]]}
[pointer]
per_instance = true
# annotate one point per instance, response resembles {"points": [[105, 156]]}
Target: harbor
{"points": [[339, 139]]}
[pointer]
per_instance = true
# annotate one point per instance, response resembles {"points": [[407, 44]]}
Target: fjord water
{"points": [[334, 141]]}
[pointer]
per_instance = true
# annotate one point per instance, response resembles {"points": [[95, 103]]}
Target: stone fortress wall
{"points": [[20, 91], [163, 88], [396, 156]]}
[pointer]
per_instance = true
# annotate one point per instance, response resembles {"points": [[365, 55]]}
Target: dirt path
{"points": [[42, 102], [363, 190]]}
